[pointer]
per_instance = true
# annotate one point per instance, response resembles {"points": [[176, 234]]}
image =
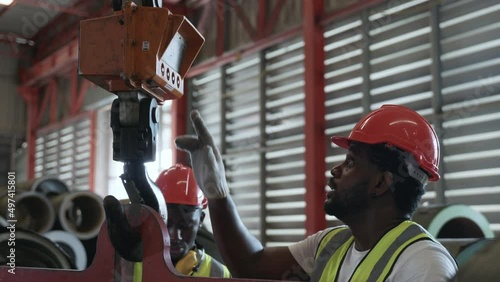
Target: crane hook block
{"points": [[139, 48]]}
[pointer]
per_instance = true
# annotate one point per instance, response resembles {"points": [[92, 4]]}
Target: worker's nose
{"points": [[175, 233], [335, 171]]}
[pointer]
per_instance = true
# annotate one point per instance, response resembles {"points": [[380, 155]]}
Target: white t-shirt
{"points": [[422, 261]]}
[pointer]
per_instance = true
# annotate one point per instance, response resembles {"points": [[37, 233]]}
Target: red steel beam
{"points": [[204, 18], [52, 65], [41, 110], [221, 35], [274, 17], [243, 19], [261, 19], [59, 20], [315, 140], [360, 5], [245, 50], [81, 94], [30, 96], [65, 25], [74, 91], [5, 9], [52, 8], [53, 100]]}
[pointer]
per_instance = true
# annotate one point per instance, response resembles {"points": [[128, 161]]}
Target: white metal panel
{"points": [[471, 99], [284, 158], [64, 152]]}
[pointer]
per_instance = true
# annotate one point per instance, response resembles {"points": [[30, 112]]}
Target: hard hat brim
{"points": [[342, 142]]}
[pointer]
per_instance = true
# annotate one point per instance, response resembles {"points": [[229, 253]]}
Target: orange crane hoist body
{"points": [[139, 48]]}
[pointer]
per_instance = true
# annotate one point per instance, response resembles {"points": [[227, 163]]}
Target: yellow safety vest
{"points": [[378, 262], [208, 267]]}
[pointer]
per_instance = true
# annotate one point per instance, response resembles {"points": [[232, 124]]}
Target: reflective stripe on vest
{"points": [[216, 269], [210, 267], [377, 263]]}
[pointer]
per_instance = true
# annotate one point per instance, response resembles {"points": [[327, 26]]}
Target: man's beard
{"points": [[347, 201]]}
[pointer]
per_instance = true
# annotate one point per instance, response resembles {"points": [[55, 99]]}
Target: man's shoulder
{"points": [[424, 254], [427, 250]]}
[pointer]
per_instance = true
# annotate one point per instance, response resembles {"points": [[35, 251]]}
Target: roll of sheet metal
{"points": [[479, 262], [457, 246], [3, 222], [47, 185], [80, 213], [32, 211], [72, 245], [32, 250], [453, 221]]}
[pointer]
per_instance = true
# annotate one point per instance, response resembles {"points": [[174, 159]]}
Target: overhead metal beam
{"points": [[56, 64], [31, 97], [53, 8], [244, 20], [250, 48], [5, 9], [349, 10], [261, 18], [221, 20], [278, 6]]}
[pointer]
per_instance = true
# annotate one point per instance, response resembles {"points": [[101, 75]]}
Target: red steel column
{"points": [[221, 35], [315, 140], [30, 96]]}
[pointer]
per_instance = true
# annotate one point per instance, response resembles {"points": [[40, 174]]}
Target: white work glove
{"points": [[206, 160]]}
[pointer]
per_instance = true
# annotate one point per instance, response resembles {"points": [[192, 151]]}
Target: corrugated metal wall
{"points": [[65, 152]]}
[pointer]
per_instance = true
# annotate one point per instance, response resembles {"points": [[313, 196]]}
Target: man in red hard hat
{"points": [[391, 155], [185, 205]]}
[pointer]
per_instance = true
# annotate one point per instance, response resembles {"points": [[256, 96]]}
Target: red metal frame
{"points": [[60, 9], [244, 51], [54, 65], [5, 9], [360, 5], [67, 26], [77, 94], [261, 19], [274, 17], [52, 92], [315, 140], [78, 104], [30, 96], [243, 19], [221, 37]]}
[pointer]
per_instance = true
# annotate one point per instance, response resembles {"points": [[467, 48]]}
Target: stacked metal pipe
{"points": [[55, 228]]}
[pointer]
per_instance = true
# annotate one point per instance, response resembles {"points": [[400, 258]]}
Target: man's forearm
{"points": [[239, 249]]}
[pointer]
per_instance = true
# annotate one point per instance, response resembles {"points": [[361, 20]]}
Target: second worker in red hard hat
{"points": [[185, 205]]}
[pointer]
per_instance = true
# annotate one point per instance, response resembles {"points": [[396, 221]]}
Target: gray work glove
{"points": [[206, 160]]}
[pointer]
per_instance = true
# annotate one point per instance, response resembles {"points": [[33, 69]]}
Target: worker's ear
{"points": [[384, 184], [202, 217]]}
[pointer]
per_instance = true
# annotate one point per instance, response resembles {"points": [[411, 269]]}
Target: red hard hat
{"points": [[400, 127], [178, 186]]}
